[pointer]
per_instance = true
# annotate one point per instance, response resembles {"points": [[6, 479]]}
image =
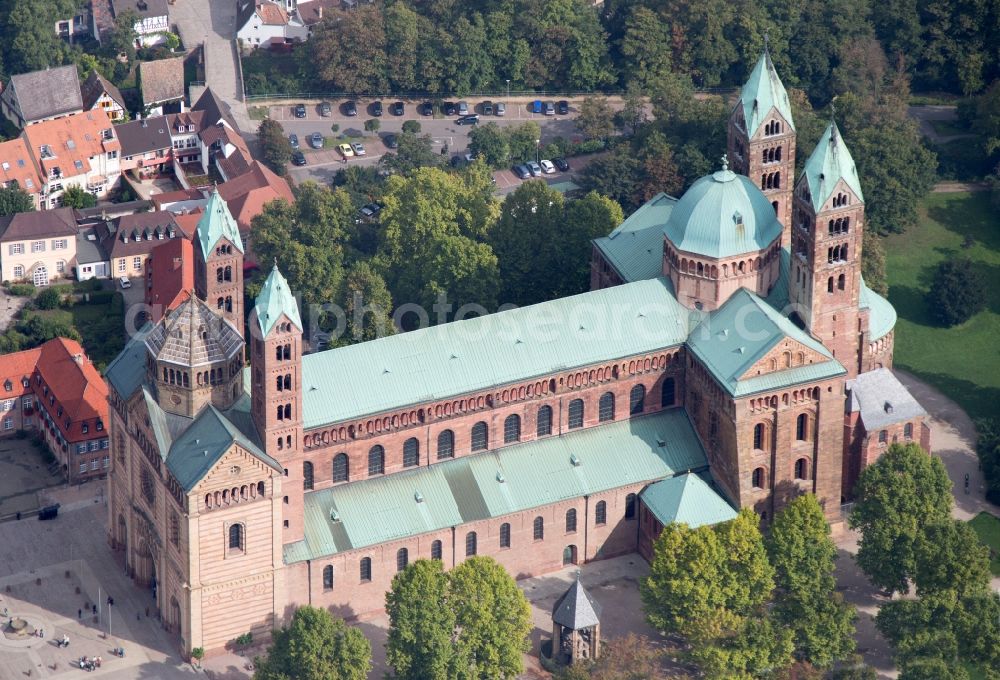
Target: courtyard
{"points": [[24, 472]]}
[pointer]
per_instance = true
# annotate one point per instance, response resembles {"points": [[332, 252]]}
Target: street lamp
{"points": [[538, 143], [508, 91]]}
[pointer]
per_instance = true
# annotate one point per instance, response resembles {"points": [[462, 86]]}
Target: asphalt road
{"points": [[323, 164]]}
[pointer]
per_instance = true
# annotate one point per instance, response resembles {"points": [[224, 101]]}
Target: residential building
{"points": [[677, 390], [153, 19], [247, 195], [34, 97], [17, 168], [81, 149], [75, 27], [91, 258], [38, 246], [313, 12], [146, 146], [129, 240], [169, 277], [209, 136], [161, 84], [265, 24], [181, 201], [98, 93], [55, 390]]}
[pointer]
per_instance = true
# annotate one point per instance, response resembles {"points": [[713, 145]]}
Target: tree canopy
{"points": [[274, 145], [14, 199], [316, 646]]}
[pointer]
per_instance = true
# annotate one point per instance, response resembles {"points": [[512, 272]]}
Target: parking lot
{"points": [[446, 134]]}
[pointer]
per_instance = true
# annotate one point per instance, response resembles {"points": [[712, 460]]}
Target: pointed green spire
{"points": [[217, 222], [829, 163], [275, 299], [762, 92]]}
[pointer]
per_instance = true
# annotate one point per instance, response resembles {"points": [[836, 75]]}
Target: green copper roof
{"points": [[881, 313], [492, 350], [829, 163], [127, 370], [635, 247], [497, 483], [762, 92], [217, 222], [203, 443], [275, 299], [686, 499], [721, 215], [737, 335]]}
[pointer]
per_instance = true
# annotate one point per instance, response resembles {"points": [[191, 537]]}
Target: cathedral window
{"points": [[505, 535], [512, 428], [606, 407], [757, 479], [218, 275], [341, 468], [571, 521], [480, 436], [667, 392], [636, 398], [630, 506], [601, 513], [237, 539], [470, 544], [883, 437], [544, 426], [436, 551], [328, 577], [260, 489], [376, 461], [148, 490], [366, 569], [538, 529], [411, 452], [841, 282], [758, 436], [228, 276], [802, 427], [307, 475], [908, 431], [229, 303], [402, 559], [801, 468], [575, 414], [175, 529], [446, 445]]}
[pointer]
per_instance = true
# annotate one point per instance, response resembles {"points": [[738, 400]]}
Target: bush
{"points": [[48, 299], [412, 126], [957, 293], [21, 289]]}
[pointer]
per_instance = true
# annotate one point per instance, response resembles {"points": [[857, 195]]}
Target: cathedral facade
{"points": [[728, 355]]}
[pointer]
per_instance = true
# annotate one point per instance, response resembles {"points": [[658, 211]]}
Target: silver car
{"points": [[500, 109], [534, 168]]}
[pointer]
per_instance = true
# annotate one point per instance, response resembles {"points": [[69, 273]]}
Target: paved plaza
{"points": [[23, 474]]}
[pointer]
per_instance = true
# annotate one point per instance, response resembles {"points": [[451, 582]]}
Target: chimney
{"points": [[78, 358]]}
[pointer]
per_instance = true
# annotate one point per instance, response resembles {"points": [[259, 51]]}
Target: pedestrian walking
{"points": [[79, 613]]}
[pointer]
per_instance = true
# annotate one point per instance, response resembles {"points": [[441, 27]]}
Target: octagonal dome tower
{"points": [[722, 235]]}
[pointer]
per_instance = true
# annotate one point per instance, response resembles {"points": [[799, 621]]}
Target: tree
{"points": [[412, 126], [803, 556], [957, 293], [412, 152], [493, 620], [633, 113], [372, 125], [932, 669], [490, 143], [988, 450], [14, 199], [402, 37], [585, 219], [615, 175], [421, 623], [595, 119], [316, 646], [523, 140], [986, 121], [367, 304], [49, 298], [873, 262], [951, 560], [645, 46], [275, 147], [76, 197], [348, 50], [658, 170], [896, 496]]}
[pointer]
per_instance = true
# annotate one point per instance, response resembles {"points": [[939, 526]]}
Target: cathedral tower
{"points": [[825, 276], [219, 261], [275, 330], [761, 139]]}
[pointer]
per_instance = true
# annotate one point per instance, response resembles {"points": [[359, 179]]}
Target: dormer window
{"points": [[100, 426], [8, 386], [85, 428]]}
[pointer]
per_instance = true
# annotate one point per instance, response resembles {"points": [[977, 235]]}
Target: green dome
{"points": [[721, 215]]}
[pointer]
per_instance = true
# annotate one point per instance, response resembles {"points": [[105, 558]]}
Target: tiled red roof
{"points": [[160, 200], [170, 276], [76, 385], [247, 194], [15, 367]]}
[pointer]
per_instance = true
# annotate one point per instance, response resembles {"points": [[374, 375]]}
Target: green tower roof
{"points": [[217, 222], [762, 91], [721, 215], [829, 163], [275, 299]]}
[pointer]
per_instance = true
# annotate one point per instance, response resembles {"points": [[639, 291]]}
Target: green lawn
{"points": [[988, 528], [962, 361], [100, 327], [949, 127]]}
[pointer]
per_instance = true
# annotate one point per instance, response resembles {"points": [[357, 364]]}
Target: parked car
{"points": [[521, 171], [550, 109], [376, 109], [463, 108], [124, 282], [298, 158], [457, 162], [562, 107], [547, 167], [561, 163], [397, 108], [350, 108], [359, 148], [534, 168], [427, 109], [449, 108], [391, 141], [316, 140], [293, 139], [470, 119], [345, 150], [325, 110], [371, 209], [300, 111], [487, 108], [501, 109], [537, 106]]}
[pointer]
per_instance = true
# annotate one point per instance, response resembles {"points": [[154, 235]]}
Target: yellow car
{"points": [[345, 150]]}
